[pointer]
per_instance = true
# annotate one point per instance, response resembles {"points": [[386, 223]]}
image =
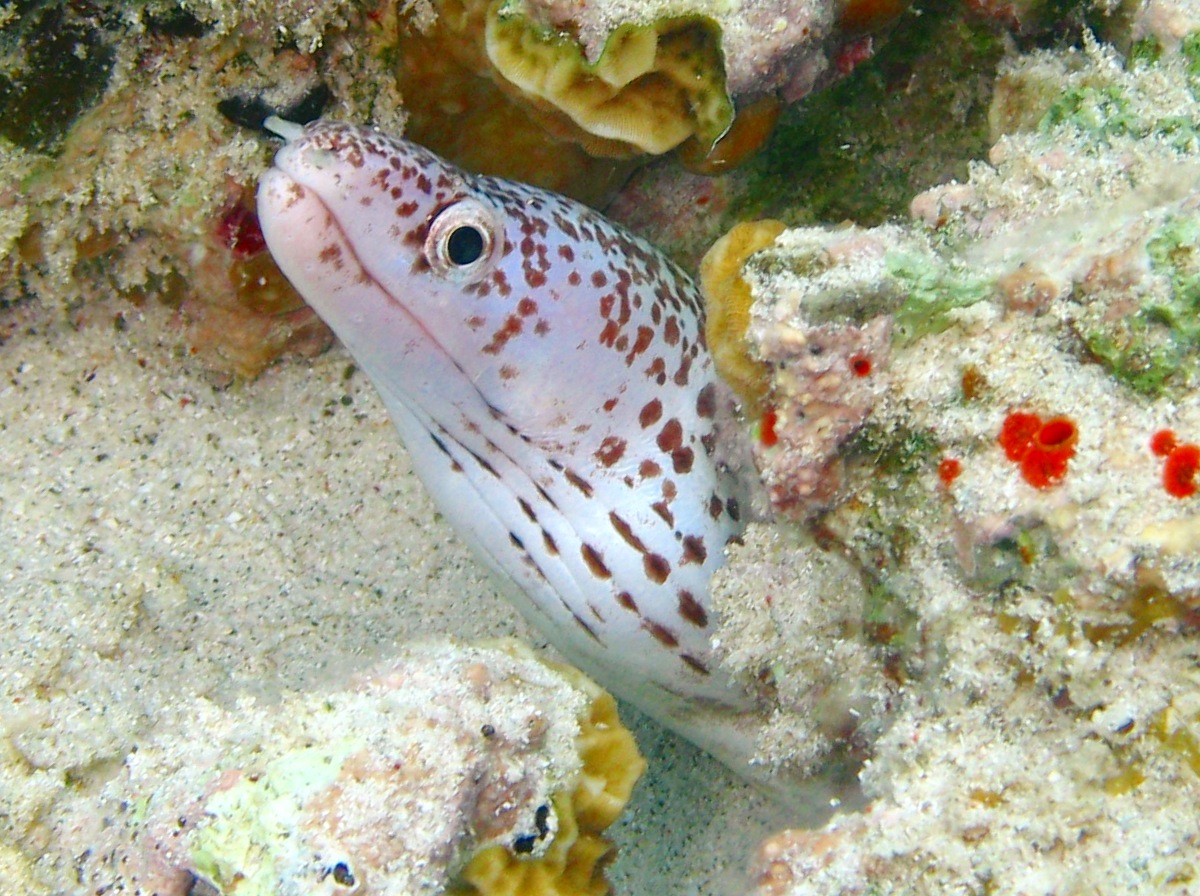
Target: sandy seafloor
{"points": [[165, 539]]}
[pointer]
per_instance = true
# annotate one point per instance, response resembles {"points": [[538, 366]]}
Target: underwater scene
{"points": [[542, 448]]}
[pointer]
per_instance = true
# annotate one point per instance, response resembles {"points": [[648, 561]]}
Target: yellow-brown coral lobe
{"points": [[728, 299], [456, 108], [574, 863], [652, 87]]}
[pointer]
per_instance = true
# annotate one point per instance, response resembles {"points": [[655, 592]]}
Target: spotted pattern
{"points": [[558, 398]]}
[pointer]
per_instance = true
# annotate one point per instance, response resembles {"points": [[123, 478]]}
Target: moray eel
{"points": [[548, 374]]}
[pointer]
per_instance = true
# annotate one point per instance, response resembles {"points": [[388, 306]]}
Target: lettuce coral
{"points": [[652, 86], [649, 88]]}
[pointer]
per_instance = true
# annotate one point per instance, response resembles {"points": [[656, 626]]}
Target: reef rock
{"points": [[988, 420], [472, 769]]}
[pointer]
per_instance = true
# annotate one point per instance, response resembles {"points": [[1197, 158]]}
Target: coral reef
{"points": [[900, 347], [796, 623], [619, 80], [1039, 751], [986, 421], [912, 111], [480, 761], [767, 48], [649, 88], [132, 191], [123, 157]]}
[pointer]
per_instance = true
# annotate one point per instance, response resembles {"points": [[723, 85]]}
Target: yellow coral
{"points": [[456, 108], [485, 74], [652, 87], [573, 865], [727, 297]]}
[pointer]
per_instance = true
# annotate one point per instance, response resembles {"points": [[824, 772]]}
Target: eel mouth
{"points": [[316, 252]]}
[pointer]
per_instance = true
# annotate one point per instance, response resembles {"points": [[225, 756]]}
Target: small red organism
{"points": [[853, 54], [1180, 469], [1163, 442], [1056, 435], [949, 469], [860, 364], [1043, 449], [240, 231], [1017, 434], [1045, 463], [766, 431]]}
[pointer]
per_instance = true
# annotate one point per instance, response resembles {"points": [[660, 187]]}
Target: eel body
{"points": [[548, 373]]}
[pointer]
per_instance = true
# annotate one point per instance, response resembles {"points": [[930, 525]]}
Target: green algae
{"points": [[249, 827], [897, 459], [913, 114], [890, 621], [1137, 353], [1028, 558], [895, 452], [934, 290], [1102, 112], [1146, 51], [1156, 350], [1100, 109], [1189, 50]]}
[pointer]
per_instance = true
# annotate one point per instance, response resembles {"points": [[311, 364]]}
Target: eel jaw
{"points": [[281, 127]]}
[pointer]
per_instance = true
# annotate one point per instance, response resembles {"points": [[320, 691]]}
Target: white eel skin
{"points": [[548, 373]]}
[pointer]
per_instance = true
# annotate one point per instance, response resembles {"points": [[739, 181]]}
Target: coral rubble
{"points": [[478, 769]]}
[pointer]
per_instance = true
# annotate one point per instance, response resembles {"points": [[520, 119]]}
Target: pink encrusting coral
{"points": [[822, 408], [828, 360]]}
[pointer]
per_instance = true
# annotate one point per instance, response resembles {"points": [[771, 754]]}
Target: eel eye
{"points": [[462, 240], [465, 245]]}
